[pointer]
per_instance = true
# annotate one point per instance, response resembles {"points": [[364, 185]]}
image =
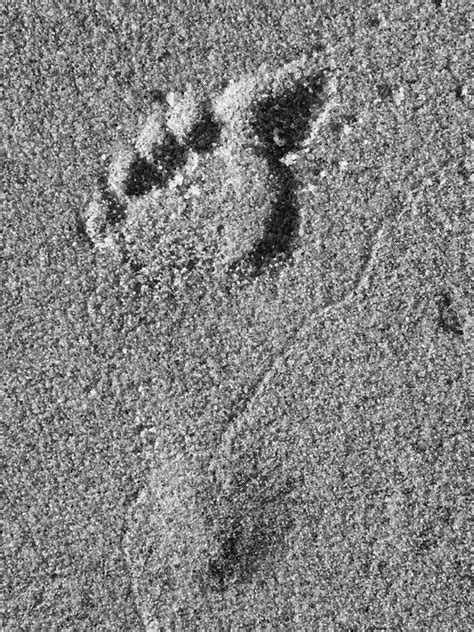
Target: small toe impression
{"points": [[166, 142], [144, 174], [114, 204], [205, 133], [184, 112], [119, 171], [152, 134]]}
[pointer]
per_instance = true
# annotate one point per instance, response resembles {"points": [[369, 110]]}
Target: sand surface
{"points": [[237, 400]]}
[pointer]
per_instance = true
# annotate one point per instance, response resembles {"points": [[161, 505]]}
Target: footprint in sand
{"points": [[208, 185]]}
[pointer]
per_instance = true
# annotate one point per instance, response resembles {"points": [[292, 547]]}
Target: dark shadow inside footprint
{"points": [[448, 317], [243, 549], [253, 520], [81, 229], [281, 124], [205, 133], [144, 175], [282, 225], [238, 556], [170, 156], [223, 566], [116, 211]]}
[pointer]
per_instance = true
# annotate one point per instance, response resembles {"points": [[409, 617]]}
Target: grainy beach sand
{"points": [[281, 446]]}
